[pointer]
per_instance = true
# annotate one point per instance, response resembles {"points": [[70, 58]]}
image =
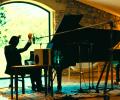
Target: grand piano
{"points": [[73, 43]]}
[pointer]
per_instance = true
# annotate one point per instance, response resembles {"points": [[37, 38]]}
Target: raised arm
{"points": [[28, 44]]}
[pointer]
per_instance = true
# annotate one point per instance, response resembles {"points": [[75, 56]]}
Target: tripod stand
{"points": [[107, 65]]}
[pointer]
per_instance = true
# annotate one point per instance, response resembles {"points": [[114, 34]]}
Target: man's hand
{"points": [[30, 36]]}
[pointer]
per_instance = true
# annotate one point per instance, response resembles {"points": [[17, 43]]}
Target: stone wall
{"points": [[91, 15]]}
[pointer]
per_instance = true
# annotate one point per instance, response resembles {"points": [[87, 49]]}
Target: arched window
{"points": [[22, 18]]}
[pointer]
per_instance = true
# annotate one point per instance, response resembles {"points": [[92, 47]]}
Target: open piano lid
{"points": [[98, 41], [69, 22]]}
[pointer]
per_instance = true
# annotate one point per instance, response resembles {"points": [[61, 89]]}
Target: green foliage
{"points": [[2, 16], [3, 38]]}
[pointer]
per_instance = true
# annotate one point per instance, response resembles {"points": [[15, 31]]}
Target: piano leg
{"points": [[59, 69], [59, 79]]}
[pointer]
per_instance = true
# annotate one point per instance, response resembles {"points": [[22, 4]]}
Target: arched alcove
{"points": [[22, 18]]}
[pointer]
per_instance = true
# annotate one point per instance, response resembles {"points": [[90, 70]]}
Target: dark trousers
{"points": [[36, 80]]}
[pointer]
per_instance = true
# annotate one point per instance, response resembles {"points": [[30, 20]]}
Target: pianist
{"points": [[13, 55]]}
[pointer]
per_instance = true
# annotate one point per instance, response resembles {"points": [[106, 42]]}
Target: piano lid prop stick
{"points": [[90, 26]]}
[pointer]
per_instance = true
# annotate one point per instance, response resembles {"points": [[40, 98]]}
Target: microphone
{"points": [[33, 39]]}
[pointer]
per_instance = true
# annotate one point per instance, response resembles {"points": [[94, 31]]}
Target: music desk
{"points": [[27, 69]]}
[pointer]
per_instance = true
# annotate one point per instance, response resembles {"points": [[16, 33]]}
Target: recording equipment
{"points": [[42, 56]]}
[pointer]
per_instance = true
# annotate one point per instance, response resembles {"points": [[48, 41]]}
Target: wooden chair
{"points": [[27, 69]]}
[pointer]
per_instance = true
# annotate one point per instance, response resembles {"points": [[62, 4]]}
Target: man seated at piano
{"points": [[13, 55], [13, 58]]}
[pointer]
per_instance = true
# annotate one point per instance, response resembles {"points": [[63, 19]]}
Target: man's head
{"points": [[14, 40]]}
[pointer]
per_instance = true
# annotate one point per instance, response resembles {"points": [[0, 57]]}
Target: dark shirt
{"points": [[13, 56]]}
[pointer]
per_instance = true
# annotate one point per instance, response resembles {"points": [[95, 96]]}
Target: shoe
{"points": [[34, 88]]}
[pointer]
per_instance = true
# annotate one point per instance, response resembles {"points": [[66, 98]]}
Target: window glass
{"points": [[22, 19]]}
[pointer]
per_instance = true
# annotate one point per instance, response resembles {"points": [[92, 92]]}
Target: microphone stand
{"points": [[81, 90], [79, 50], [111, 52], [90, 52], [91, 57], [106, 97], [111, 58], [108, 65]]}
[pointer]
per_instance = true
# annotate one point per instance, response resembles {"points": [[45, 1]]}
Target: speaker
{"points": [[42, 56]]}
